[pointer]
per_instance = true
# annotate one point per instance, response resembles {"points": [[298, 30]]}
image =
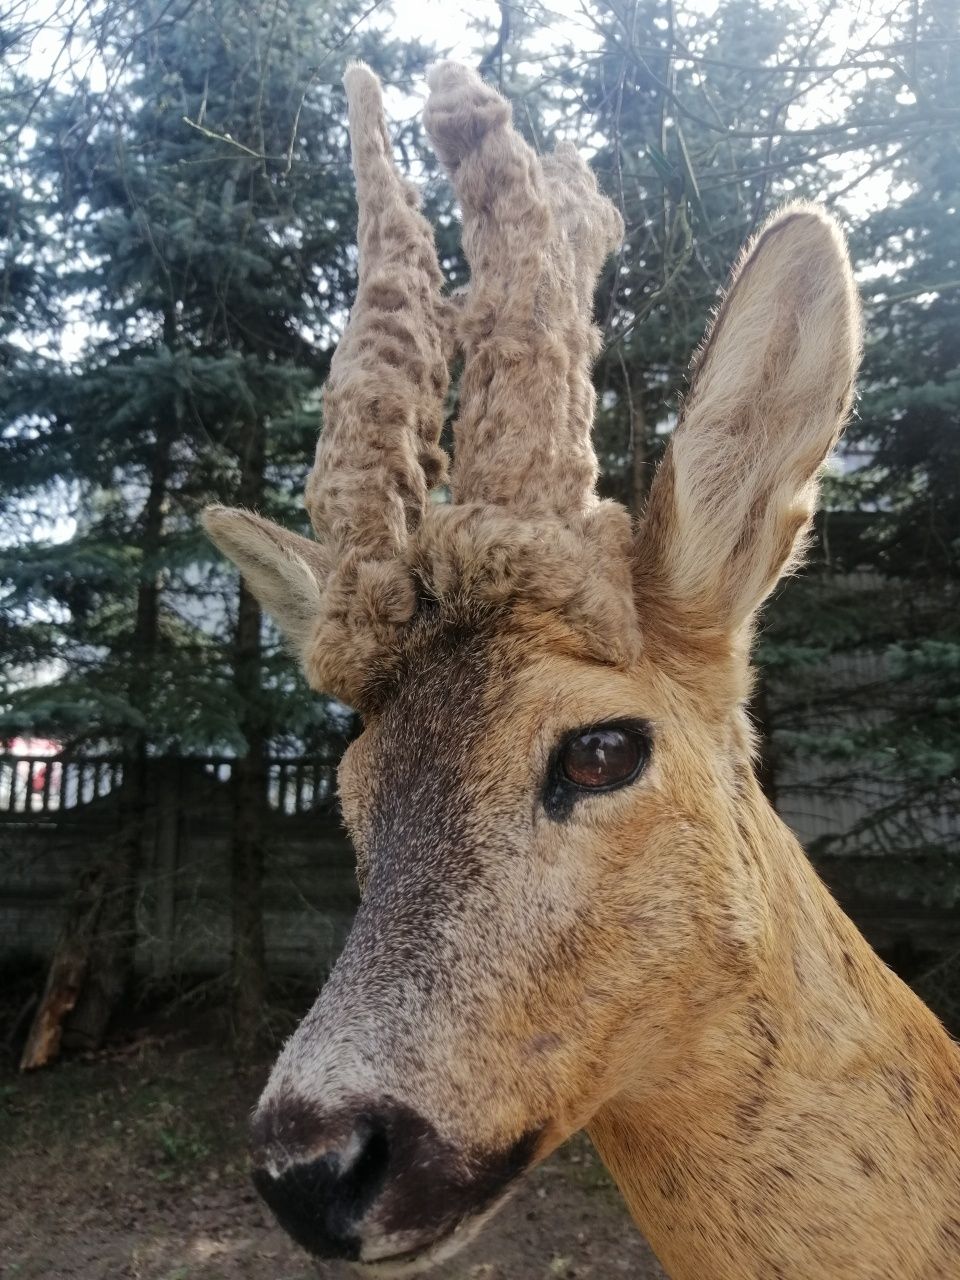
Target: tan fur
{"points": [[730, 505], [662, 965]]}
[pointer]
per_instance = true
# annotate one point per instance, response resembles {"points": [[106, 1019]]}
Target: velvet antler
{"points": [[536, 235], [525, 517], [383, 402], [378, 455]]}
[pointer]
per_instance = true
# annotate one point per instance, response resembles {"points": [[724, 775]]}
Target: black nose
{"points": [[350, 1183], [322, 1203]]}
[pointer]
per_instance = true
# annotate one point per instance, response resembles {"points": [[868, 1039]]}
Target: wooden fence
{"points": [[45, 786], [56, 813]]}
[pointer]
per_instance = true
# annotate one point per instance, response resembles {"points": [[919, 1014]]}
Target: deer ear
{"points": [[771, 389], [283, 570]]}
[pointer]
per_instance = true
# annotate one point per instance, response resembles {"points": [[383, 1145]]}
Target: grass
{"points": [[134, 1165], [166, 1123], [579, 1164]]}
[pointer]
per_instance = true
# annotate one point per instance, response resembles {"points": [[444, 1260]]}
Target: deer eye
{"points": [[602, 758]]}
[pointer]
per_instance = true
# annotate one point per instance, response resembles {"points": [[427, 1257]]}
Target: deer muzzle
{"points": [[373, 1182]]}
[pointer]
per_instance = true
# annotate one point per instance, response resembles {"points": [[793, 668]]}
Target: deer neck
{"points": [[813, 1128]]}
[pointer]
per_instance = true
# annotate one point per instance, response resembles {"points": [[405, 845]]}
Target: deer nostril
{"points": [[322, 1203], [364, 1164]]}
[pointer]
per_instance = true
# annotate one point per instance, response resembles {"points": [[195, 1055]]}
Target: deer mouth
{"points": [[412, 1262]]}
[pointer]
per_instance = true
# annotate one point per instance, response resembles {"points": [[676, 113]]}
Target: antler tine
{"points": [[536, 236], [591, 224], [384, 399], [591, 228]]}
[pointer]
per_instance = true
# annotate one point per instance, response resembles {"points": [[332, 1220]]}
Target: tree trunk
{"points": [[248, 978], [67, 974], [110, 962], [93, 961], [110, 966]]}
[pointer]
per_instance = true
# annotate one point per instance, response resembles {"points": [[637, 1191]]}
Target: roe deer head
{"points": [[577, 909]]}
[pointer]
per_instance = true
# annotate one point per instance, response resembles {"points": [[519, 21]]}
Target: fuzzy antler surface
{"points": [[383, 403], [525, 520], [340, 599], [536, 236]]}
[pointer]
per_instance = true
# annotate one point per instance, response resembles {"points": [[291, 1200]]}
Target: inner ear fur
{"points": [[284, 571], [770, 390]]}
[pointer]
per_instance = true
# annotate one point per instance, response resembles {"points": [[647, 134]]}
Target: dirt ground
{"points": [[132, 1165]]}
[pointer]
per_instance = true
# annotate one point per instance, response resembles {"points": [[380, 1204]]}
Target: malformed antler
{"points": [[338, 599], [383, 402], [523, 482], [536, 236]]}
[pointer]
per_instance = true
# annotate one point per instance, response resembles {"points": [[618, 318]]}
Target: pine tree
{"points": [[27, 313], [887, 600], [207, 219], [678, 105]]}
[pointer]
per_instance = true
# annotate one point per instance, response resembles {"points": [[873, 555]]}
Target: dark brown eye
{"points": [[602, 758]]}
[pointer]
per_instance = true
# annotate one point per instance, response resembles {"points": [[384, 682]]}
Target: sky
{"points": [[445, 23], [450, 25]]}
